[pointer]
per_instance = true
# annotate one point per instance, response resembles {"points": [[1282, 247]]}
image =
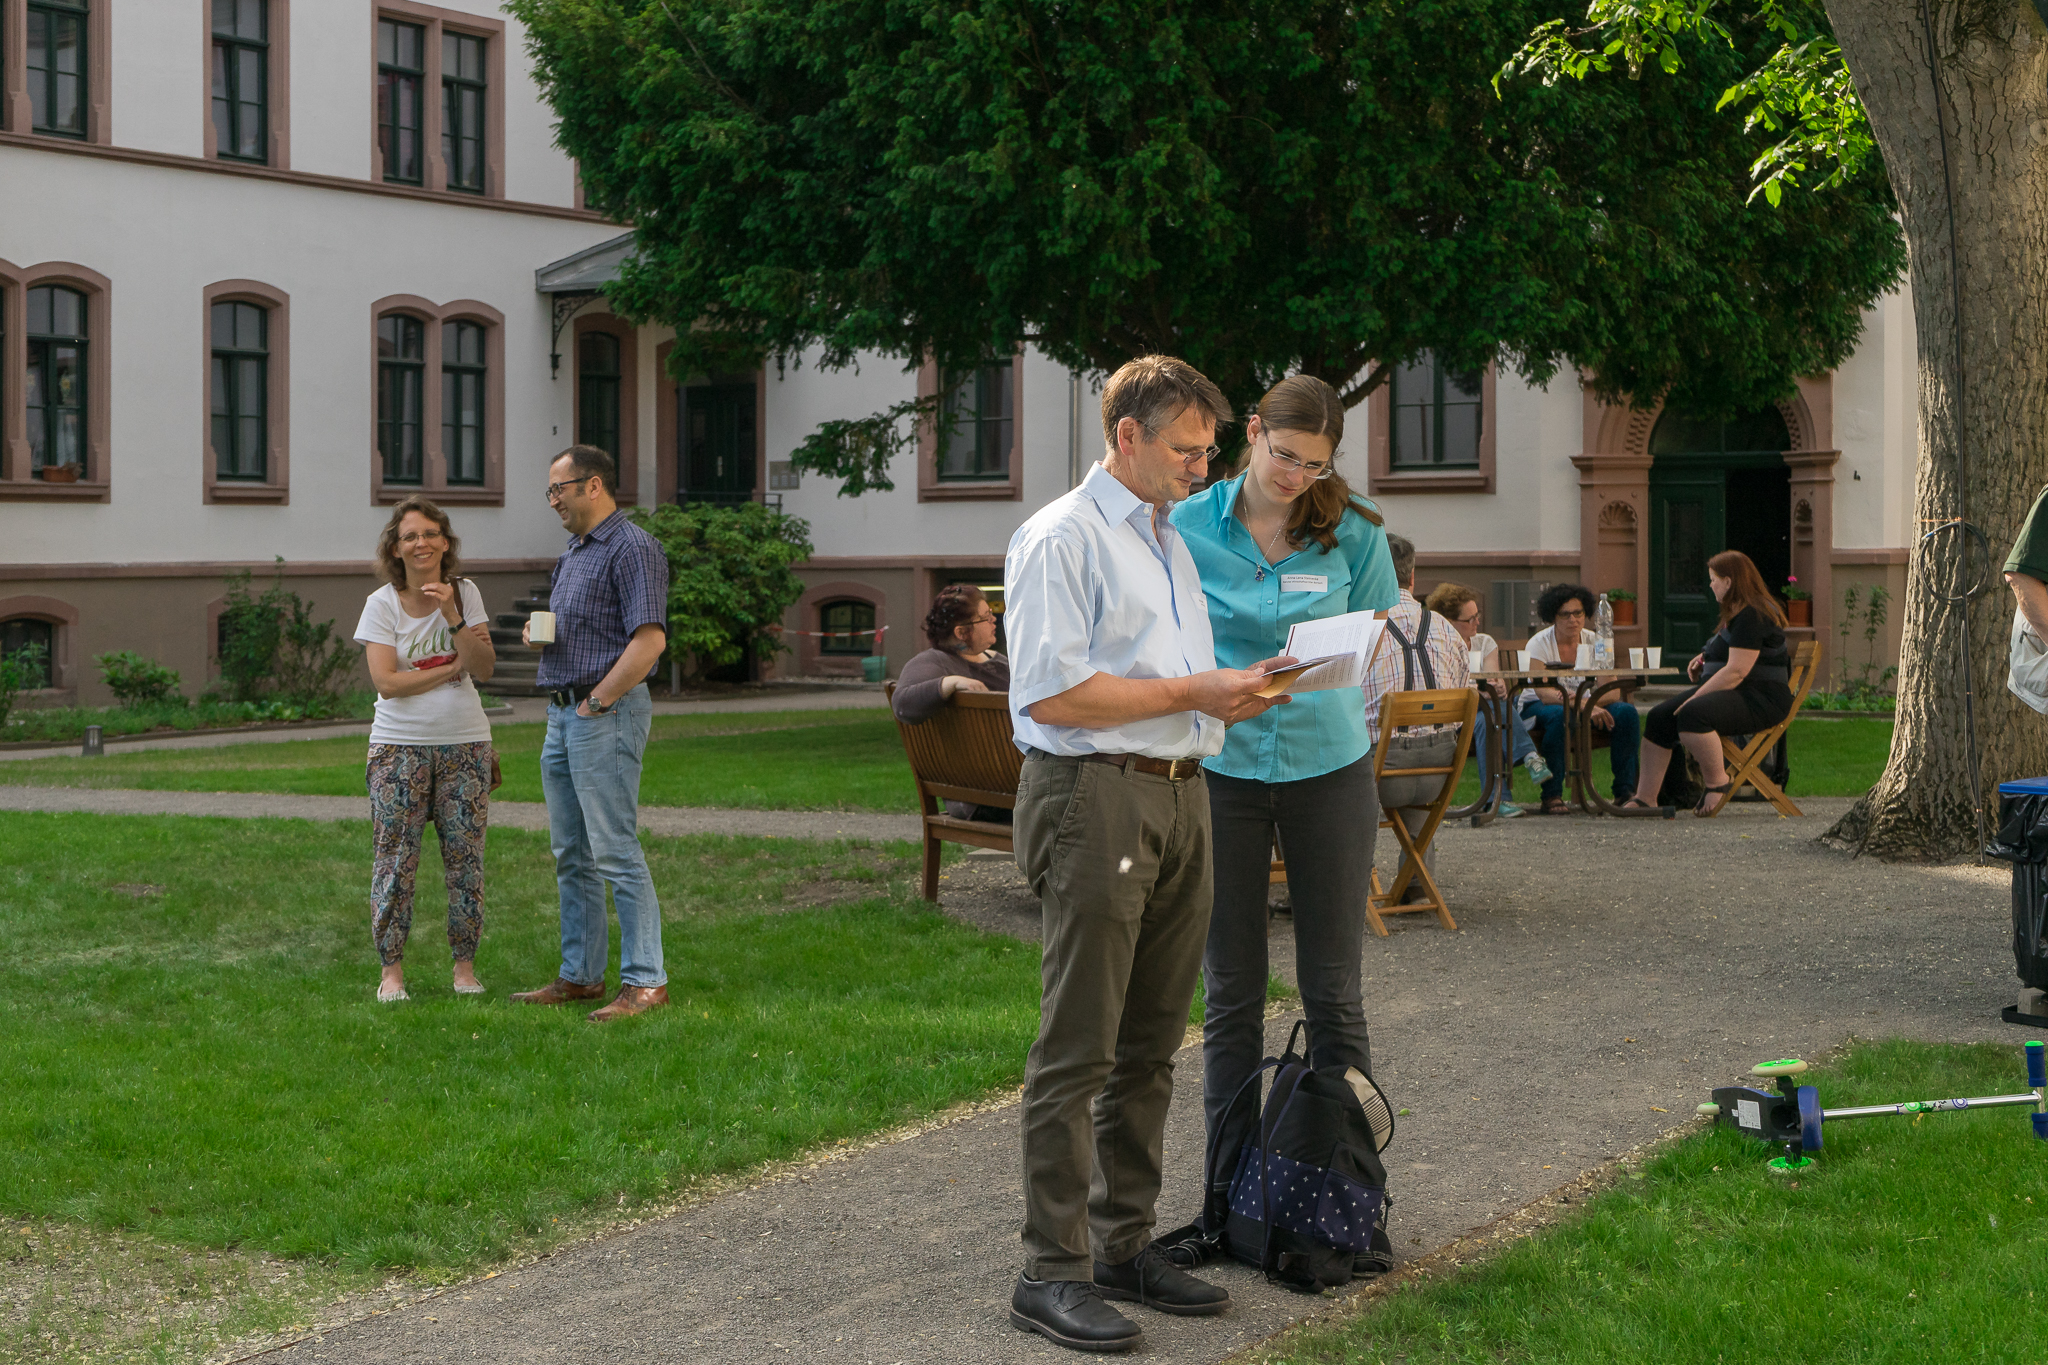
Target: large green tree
{"points": [[1260, 187], [1954, 95]]}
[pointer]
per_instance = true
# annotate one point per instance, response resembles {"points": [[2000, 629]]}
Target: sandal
{"points": [[1720, 791], [1555, 805], [1634, 803], [385, 997]]}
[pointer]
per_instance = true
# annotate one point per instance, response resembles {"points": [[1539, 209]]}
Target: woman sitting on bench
{"points": [[962, 658], [1743, 673]]}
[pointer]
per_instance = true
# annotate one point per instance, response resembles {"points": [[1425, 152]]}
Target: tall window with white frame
{"points": [[55, 395], [977, 425], [56, 66], [597, 392], [401, 79], [1437, 416], [241, 387], [401, 392], [462, 400], [462, 111], [241, 79]]}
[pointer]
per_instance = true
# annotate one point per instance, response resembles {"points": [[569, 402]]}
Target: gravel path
{"points": [[515, 814], [1607, 974]]}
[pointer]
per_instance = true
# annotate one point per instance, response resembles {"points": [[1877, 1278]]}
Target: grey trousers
{"points": [[1119, 861], [1409, 797], [1327, 825]]}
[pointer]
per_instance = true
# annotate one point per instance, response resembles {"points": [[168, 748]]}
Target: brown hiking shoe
{"points": [[560, 992], [630, 1000]]}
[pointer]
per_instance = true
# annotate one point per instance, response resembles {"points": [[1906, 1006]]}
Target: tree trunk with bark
{"points": [[1989, 85]]}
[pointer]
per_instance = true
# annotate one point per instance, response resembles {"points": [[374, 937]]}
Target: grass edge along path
{"points": [[1912, 1239]]}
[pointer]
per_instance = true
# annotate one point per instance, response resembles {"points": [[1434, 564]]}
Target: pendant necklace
{"points": [[1260, 575]]}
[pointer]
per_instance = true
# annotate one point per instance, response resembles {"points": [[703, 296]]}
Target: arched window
{"points": [[401, 380], [846, 627], [27, 633], [56, 383], [597, 394], [241, 390], [462, 401]]}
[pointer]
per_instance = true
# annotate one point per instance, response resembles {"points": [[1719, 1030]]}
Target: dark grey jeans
{"points": [[1327, 825]]}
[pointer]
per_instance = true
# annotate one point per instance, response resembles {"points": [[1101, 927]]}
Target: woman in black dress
{"points": [[1744, 676]]}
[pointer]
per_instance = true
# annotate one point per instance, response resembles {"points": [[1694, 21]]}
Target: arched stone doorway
{"points": [[1714, 486], [1615, 532]]}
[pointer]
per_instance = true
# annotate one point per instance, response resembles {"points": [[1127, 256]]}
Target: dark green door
{"points": [[718, 450], [1714, 486]]}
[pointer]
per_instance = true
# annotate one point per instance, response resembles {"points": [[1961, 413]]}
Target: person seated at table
{"points": [[1458, 604], [1422, 652], [1744, 675], [962, 631], [1567, 609]]}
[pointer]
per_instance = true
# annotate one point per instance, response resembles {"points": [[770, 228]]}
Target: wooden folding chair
{"points": [[964, 753], [1445, 706], [1745, 764]]}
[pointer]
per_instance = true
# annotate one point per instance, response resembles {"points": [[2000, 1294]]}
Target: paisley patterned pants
{"points": [[410, 783]]}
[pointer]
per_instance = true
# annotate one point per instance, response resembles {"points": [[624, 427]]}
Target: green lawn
{"points": [[1912, 1240], [784, 760], [193, 1049], [1829, 758]]}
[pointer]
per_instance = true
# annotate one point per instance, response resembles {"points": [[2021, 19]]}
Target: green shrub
{"points": [[137, 680], [729, 579], [19, 671], [271, 648]]}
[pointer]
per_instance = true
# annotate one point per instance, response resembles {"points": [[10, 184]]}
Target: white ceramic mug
{"points": [[1528, 660], [1656, 653], [1635, 658], [541, 627], [1585, 659], [1475, 660]]}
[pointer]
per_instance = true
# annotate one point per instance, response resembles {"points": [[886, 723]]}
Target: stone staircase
{"points": [[518, 665]]}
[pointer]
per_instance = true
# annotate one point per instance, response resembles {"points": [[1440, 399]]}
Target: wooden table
{"points": [[1583, 690]]}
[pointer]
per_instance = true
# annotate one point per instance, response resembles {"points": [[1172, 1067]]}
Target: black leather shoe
{"points": [[1149, 1278], [1071, 1313]]}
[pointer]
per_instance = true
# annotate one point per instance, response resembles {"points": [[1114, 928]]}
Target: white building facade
{"points": [[268, 266]]}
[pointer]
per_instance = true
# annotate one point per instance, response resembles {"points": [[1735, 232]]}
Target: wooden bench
{"points": [[964, 753]]}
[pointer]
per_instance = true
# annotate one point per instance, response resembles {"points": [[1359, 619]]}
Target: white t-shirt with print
{"points": [[452, 713]]}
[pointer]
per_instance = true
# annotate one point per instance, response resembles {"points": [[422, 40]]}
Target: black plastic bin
{"points": [[2022, 840]]}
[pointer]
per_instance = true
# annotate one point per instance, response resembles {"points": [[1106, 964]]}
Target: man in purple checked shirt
{"points": [[609, 595]]}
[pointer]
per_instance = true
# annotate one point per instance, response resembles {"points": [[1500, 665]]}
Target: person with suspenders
{"points": [[1422, 652]]}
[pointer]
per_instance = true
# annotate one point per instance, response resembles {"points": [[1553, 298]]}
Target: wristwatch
{"points": [[596, 707]]}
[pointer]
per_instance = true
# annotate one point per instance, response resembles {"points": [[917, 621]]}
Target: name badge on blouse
{"points": [[1304, 582]]}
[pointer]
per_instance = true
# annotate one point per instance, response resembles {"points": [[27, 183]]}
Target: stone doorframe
{"points": [[1614, 499]]}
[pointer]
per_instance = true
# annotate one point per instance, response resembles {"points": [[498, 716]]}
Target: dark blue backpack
{"points": [[1295, 1186]]}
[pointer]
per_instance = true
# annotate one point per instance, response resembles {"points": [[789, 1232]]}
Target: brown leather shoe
{"points": [[560, 992], [630, 1000]]}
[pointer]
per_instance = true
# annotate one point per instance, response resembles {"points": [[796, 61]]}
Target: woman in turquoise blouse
{"points": [[1287, 541]]}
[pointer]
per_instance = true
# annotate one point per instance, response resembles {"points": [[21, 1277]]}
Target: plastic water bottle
{"points": [[1603, 634]]}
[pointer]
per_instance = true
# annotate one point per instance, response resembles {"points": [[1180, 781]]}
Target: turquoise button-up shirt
{"points": [[1317, 732]]}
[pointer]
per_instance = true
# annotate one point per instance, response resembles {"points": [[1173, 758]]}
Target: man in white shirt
{"points": [[1115, 699]]}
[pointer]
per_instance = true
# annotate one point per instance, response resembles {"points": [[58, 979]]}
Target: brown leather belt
{"points": [[1173, 769]]}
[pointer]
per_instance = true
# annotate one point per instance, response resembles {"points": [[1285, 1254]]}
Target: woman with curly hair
{"points": [[1567, 610], [427, 639], [962, 631]]}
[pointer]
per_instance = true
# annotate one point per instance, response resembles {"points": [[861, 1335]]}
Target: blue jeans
{"points": [[590, 772], [1523, 744], [1624, 746]]}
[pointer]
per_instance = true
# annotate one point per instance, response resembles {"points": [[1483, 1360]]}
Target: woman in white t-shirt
{"points": [[427, 639]]}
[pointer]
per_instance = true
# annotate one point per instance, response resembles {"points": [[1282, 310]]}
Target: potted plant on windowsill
{"points": [[60, 473], [1798, 603], [1624, 603]]}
